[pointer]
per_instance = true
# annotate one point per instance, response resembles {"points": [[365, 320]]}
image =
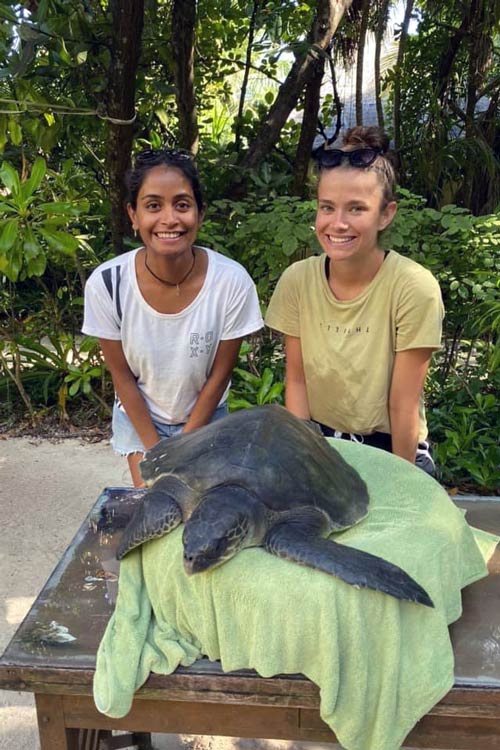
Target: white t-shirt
{"points": [[171, 355]]}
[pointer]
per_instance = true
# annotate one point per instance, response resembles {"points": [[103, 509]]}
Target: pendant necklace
{"points": [[170, 283]]}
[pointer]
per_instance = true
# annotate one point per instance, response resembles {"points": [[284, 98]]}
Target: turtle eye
{"points": [[219, 548]]}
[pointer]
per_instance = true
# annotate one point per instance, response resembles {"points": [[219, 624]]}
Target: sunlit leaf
{"points": [[8, 235], [16, 134], [60, 241], [37, 174], [10, 178]]}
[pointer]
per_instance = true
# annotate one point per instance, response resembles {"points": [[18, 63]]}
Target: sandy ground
{"points": [[46, 491]]}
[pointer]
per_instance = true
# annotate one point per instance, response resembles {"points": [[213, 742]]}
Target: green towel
{"points": [[380, 663]]}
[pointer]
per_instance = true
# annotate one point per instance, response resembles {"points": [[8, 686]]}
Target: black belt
{"points": [[381, 440]]}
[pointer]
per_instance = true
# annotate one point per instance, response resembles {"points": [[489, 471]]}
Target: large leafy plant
{"points": [[33, 229]]}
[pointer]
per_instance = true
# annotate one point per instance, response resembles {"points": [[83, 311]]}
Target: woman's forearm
{"points": [[216, 383], [404, 431], [296, 400]]}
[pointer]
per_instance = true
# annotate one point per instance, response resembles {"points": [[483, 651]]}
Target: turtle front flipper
{"points": [[300, 541], [157, 514]]}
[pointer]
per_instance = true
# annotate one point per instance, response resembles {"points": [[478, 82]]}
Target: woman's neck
{"points": [[348, 279]]}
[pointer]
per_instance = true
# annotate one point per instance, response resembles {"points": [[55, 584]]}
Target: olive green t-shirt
{"points": [[348, 347]]}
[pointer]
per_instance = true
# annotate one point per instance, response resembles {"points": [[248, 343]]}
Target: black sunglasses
{"points": [[328, 158], [152, 154]]}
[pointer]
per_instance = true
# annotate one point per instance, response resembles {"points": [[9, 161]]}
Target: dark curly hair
{"points": [[168, 157]]}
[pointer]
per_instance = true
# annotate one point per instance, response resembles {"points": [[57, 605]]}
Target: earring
{"points": [[135, 233]]}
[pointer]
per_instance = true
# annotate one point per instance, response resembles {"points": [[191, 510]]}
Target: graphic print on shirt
{"points": [[200, 344], [332, 327]]}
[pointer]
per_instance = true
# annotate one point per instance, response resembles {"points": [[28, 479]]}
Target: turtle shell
{"points": [[280, 459]]}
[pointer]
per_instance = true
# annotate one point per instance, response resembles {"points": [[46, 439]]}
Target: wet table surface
{"points": [[68, 619], [53, 652]]}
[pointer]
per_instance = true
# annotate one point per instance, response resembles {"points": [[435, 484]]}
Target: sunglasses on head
{"points": [[333, 157], [151, 154]]}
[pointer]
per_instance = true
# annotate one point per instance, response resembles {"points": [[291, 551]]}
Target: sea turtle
{"points": [[260, 477]]}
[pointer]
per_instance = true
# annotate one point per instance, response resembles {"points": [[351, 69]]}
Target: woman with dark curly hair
{"points": [[171, 315], [360, 322]]}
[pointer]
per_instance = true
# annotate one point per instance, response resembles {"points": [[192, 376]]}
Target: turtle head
{"points": [[222, 524]]}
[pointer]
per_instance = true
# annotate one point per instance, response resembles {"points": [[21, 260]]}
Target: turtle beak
{"points": [[196, 564]]}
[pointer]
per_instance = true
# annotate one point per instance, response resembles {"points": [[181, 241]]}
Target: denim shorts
{"points": [[125, 439]]}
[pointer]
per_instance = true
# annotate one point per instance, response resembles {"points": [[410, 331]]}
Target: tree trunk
{"points": [[476, 50], [327, 19], [379, 37], [365, 14], [308, 129], [338, 103], [127, 23], [475, 186], [445, 66], [397, 85], [183, 38], [246, 74]]}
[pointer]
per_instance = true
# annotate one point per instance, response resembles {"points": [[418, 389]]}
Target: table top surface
{"points": [[66, 623]]}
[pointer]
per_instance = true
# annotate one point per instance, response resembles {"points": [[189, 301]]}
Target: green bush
{"points": [[266, 235], [461, 250]]}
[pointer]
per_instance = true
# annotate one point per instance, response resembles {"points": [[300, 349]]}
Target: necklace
{"points": [[165, 281]]}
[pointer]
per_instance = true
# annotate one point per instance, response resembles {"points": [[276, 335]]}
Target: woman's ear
{"points": [[132, 214], [387, 215]]}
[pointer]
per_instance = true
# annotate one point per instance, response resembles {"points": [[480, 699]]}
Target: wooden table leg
{"points": [[53, 733], [108, 741], [142, 740]]}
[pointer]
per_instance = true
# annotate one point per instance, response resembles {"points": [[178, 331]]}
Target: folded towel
{"points": [[380, 663]]}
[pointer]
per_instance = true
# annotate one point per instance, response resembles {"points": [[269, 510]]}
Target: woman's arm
{"points": [[407, 382], [211, 393], [295, 382], [128, 392]]}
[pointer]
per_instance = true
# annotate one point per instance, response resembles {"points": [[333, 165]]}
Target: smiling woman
{"points": [[360, 324], [171, 315]]}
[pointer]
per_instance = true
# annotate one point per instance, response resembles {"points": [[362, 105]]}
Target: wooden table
{"points": [[80, 595]]}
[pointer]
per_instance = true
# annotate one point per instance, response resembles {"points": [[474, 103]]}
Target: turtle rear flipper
{"points": [[157, 514], [351, 565]]}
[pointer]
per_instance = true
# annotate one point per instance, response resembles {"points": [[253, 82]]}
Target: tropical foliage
{"points": [[247, 85]]}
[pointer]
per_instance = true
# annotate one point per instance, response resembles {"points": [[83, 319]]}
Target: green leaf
{"points": [[8, 14], [37, 174], [73, 390], [58, 207], [235, 404], [3, 132], [30, 245], [248, 377], [11, 263], [290, 245], [10, 178], [267, 379], [8, 235], [16, 134], [65, 57], [36, 266], [275, 392], [60, 241]]}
